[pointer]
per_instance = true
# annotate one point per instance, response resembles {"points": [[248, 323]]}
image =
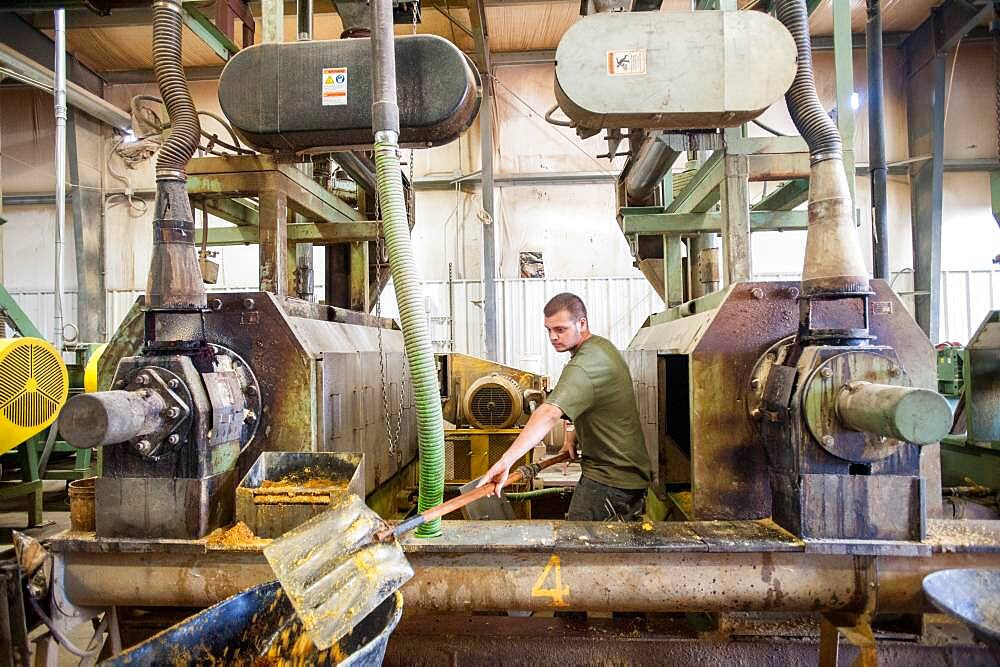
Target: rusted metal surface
{"points": [[541, 565], [435, 639], [299, 360], [725, 460], [284, 489]]}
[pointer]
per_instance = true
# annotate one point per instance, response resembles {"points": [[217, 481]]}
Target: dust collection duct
{"points": [[834, 263], [317, 95]]}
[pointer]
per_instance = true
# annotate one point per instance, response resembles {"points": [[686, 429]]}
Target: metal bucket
{"points": [[81, 504], [303, 484], [252, 626]]}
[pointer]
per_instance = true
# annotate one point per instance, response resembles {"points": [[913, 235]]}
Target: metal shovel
{"points": [[338, 566]]}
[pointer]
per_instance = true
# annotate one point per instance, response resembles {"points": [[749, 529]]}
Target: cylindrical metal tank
{"points": [[312, 96], [672, 70]]}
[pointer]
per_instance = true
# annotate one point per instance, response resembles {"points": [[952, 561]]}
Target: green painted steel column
{"points": [[843, 55]]}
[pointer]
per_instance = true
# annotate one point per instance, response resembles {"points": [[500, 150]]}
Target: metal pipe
{"points": [[653, 160], [460, 579], [304, 19], [59, 101], [25, 70], [877, 168], [358, 167], [105, 418], [910, 414]]}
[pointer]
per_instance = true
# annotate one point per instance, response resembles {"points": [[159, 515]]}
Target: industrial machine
{"points": [[970, 453], [194, 389], [488, 403], [33, 387], [758, 425], [801, 416]]}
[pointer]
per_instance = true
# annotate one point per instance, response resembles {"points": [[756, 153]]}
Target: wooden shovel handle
{"points": [[464, 499]]}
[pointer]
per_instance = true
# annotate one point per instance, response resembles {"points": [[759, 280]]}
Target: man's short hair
{"points": [[571, 303]]}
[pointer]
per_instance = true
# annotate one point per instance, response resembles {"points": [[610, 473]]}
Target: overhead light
{"points": [[855, 101]]}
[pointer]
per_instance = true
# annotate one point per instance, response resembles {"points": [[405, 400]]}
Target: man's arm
{"points": [[542, 420]]}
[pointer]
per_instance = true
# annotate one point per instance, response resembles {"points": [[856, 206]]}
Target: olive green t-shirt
{"points": [[595, 392]]}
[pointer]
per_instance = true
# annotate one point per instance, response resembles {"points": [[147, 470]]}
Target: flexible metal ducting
{"points": [[184, 127], [834, 263], [174, 273], [808, 114]]}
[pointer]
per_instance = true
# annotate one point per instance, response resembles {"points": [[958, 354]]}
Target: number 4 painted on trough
{"points": [[557, 591]]}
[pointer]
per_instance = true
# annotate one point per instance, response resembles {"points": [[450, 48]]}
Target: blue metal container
{"points": [[259, 626]]}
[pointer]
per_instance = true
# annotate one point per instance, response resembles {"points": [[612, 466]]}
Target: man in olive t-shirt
{"points": [[595, 393]]}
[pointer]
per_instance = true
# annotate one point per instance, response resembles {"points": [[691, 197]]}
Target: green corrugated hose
{"points": [[416, 338]]}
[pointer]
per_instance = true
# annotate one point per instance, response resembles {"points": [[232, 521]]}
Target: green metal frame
{"points": [[12, 312], [207, 31], [726, 172]]}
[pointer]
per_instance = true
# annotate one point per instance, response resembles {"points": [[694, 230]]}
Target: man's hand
{"points": [[569, 445], [496, 474]]}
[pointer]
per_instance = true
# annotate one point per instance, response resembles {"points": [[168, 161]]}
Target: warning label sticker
{"points": [[626, 63], [334, 86]]}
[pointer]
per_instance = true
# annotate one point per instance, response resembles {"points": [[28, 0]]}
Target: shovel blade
{"points": [[332, 570]]}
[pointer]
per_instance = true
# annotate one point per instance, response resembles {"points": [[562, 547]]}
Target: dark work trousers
{"points": [[593, 501]]}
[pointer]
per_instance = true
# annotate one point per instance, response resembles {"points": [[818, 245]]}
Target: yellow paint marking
{"points": [[557, 591]]}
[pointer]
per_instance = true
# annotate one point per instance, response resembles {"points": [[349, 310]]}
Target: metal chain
{"points": [[391, 433]]}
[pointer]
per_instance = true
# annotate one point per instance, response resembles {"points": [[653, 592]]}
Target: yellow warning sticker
{"points": [[334, 92]]}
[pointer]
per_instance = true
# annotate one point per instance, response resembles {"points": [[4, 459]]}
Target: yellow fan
{"points": [[34, 386]]}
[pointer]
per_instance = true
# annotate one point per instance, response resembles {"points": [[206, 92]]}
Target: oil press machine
{"points": [[800, 414]]}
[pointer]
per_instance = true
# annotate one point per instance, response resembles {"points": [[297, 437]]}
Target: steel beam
{"points": [[88, 245], [246, 175], [948, 23], [786, 197], [297, 232], [272, 239], [207, 32], [702, 191], [843, 62], [736, 219], [695, 223], [995, 195], [477, 19], [22, 38], [143, 76], [925, 125], [513, 58], [18, 66], [229, 210]]}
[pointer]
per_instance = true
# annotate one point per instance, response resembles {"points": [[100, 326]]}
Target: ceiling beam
{"points": [[20, 36], [942, 30], [141, 76]]}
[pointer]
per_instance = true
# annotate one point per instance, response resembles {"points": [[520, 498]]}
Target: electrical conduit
{"points": [[402, 266]]}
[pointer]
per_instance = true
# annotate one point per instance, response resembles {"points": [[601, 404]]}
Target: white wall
{"points": [[572, 225]]}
